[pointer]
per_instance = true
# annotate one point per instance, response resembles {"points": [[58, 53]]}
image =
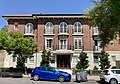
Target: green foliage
{"points": [[4, 28], [45, 58], [15, 43], [104, 60], [106, 15], [83, 63], [96, 72], [3, 39]]}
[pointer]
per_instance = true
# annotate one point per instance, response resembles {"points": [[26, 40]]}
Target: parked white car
{"points": [[111, 76]]}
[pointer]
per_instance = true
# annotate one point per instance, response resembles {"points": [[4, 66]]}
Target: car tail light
{"points": [[106, 73]]}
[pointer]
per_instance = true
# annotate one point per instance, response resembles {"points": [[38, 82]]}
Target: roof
{"points": [[36, 16]]}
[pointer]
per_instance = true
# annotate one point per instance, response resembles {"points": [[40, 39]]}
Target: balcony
{"points": [[75, 48], [48, 33], [29, 35], [63, 33], [97, 49]]}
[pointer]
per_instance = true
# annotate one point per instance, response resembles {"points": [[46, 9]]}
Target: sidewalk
{"points": [[90, 77]]}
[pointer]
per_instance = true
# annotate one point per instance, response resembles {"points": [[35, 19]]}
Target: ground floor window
{"points": [[31, 59], [96, 59], [74, 59], [63, 61]]}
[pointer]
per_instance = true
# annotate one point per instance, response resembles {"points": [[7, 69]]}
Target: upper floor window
{"points": [[49, 28], [48, 43], [63, 27], [29, 28], [77, 27], [16, 25], [77, 43], [95, 30]]}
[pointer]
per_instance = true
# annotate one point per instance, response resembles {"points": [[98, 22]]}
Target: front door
{"points": [[63, 61]]}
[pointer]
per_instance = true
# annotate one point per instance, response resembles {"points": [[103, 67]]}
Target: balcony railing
{"points": [[64, 47], [96, 48]]}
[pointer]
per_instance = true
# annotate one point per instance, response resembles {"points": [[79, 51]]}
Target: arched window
{"points": [[29, 28], [63, 27], [49, 28], [77, 27]]}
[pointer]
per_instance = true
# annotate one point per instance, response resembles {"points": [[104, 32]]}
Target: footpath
{"points": [[90, 77]]}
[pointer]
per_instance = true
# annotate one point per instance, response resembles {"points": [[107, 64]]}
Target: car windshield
{"points": [[56, 69]]}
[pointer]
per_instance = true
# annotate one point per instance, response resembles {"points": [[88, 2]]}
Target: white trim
{"points": [[63, 27], [81, 28]]}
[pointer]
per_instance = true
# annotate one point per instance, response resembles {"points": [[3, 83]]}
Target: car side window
{"points": [[114, 71], [117, 71], [42, 68], [49, 69]]}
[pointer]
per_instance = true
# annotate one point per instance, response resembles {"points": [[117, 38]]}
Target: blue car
{"points": [[49, 73]]}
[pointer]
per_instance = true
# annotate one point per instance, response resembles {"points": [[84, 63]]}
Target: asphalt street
{"points": [[28, 81]]}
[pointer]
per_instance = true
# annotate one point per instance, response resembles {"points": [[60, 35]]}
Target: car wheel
{"points": [[113, 81], [36, 77], [61, 78]]}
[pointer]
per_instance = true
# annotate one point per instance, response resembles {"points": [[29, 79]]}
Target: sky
{"points": [[42, 6]]}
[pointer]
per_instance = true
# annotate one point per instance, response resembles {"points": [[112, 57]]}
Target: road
{"points": [[28, 81]]}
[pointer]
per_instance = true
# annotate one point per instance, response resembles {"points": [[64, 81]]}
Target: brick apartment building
{"points": [[66, 35]]}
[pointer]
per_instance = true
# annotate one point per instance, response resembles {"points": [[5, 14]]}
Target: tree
{"points": [[106, 16], [3, 39], [15, 43], [45, 58], [104, 60], [83, 63], [4, 28]]}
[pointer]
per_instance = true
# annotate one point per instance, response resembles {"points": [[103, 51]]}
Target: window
{"points": [[77, 27], [113, 58], [74, 59], [50, 69], [95, 30], [48, 43], [96, 59], [116, 71], [77, 43], [31, 59], [42, 68], [29, 28], [14, 59], [16, 25], [49, 28], [63, 27], [63, 42], [52, 59]]}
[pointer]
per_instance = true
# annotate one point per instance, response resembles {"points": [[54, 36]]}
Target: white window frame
{"points": [[29, 60], [15, 25], [78, 28], [96, 60], [113, 58], [75, 61], [49, 29], [14, 59], [63, 45], [78, 45], [63, 29], [46, 38], [95, 30], [29, 28]]}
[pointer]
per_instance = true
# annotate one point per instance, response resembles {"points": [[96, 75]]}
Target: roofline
{"points": [[35, 16]]}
